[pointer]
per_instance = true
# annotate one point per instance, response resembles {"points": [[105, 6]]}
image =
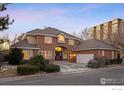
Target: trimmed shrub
{"points": [[38, 60], [93, 64], [15, 56], [116, 61], [27, 69], [24, 62], [52, 68], [119, 60]]}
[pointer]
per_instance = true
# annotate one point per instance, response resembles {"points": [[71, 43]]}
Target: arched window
{"points": [[61, 38]]}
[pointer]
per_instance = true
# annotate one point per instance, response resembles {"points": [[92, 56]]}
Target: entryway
{"points": [[60, 53]]}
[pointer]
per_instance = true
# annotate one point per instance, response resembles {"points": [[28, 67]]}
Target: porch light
{"points": [[74, 55], [58, 49]]}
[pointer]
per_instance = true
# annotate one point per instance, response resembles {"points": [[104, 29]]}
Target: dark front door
{"points": [[58, 55]]}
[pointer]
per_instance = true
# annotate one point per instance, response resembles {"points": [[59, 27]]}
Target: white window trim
{"points": [[45, 41], [58, 38], [69, 42]]}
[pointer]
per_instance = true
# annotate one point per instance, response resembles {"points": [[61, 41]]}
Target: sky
{"points": [[68, 17]]}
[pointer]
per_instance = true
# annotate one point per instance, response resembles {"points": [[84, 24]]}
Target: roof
{"points": [[24, 45], [94, 44], [51, 32]]}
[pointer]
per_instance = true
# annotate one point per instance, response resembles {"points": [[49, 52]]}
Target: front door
{"points": [[58, 55]]}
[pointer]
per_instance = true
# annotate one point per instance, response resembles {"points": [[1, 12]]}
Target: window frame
{"points": [[59, 41], [69, 42], [46, 41]]}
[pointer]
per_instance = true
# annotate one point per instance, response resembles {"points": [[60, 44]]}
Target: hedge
{"points": [[52, 68], [27, 69]]}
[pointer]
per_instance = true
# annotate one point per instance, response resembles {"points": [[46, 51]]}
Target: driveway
{"points": [[101, 76], [66, 66]]}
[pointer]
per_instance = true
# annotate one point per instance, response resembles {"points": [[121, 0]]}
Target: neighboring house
{"points": [[105, 30], [54, 44]]}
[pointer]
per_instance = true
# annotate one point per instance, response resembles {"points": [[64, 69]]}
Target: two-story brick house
{"points": [[52, 43], [55, 44]]}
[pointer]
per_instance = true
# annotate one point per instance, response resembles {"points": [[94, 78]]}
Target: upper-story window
{"points": [[71, 42], [48, 40], [31, 39], [61, 38]]}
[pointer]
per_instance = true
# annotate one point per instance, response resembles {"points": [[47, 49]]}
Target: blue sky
{"points": [[67, 17]]}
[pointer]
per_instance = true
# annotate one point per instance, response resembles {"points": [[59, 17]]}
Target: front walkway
{"points": [[66, 66]]}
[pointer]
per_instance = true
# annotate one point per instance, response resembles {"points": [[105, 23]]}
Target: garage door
{"points": [[84, 58]]}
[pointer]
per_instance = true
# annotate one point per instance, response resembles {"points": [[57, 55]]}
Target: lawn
{"points": [[8, 73]]}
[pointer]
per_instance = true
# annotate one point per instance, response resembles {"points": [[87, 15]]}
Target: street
{"points": [[102, 76]]}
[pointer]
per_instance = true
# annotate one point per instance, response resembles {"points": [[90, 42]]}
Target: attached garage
{"points": [[90, 49], [84, 58]]}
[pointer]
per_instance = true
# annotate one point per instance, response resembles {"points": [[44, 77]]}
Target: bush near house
{"points": [[38, 60], [102, 61], [116, 61], [27, 69], [15, 56], [37, 64], [52, 68]]}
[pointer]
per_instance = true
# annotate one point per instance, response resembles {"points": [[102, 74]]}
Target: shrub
{"points": [[119, 60], [27, 69], [38, 60], [52, 68], [6, 57], [15, 56], [24, 62], [93, 64]]}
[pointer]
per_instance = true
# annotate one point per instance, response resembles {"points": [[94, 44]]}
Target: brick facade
{"points": [[97, 53]]}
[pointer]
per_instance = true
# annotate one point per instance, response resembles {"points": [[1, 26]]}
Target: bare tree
{"points": [[18, 38], [117, 39], [84, 34]]}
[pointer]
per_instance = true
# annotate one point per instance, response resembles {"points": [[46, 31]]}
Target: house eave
{"points": [[96, 49], [51, 35], [26, 48]]}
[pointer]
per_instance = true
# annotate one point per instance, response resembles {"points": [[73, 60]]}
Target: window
{"points": [[98, 32], [71, 42], [27, 54], [61, 39], [105, 31], [31, 39], [48, 40], [112, 54], [102, 52], [65, 55], [114, 28], [46, 54]]}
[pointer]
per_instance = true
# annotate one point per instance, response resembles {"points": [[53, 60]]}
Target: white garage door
{"points": [[84, 58]]}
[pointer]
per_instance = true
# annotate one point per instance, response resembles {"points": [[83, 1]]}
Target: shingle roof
{"points": [[94, 44], [24, 45], [50, 31]]}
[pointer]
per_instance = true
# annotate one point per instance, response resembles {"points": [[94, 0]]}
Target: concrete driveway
{"points": [[66, 66]]}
